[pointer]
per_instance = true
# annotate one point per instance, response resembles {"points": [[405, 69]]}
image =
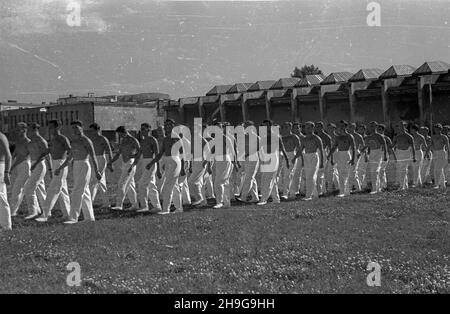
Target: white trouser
{"points": [[126, 185], [373, 167], [311, 168], [222, 189], [34, 183], [21, 175], [362, 170], [184, 188], [5, 211], [354, 178], [417, 168], [172, 166], [287, 175], [297, 174], [403, 161], [425, 172], [343, 171], [196, 181], [249, 184], [147, 187], [270, 163], [209, 186], [81, 195], [440, 162], [57, 189], [96, 185]]}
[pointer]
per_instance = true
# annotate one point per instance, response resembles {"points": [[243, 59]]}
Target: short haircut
{"points": [[288, 123], [145, 125], [415, 127], [332, 125], [345, 123], [319, 123], [55, 123], [95, 126], [310, 123], [121, 129], [23, 125], [35, 126], [269, 122], [438, 126], [77, 122], [382, 126], [249, 122], [170, 121], [425, 128], [373, 123]]}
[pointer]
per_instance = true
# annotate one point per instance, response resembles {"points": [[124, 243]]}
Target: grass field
{"points": [[322, 246]]}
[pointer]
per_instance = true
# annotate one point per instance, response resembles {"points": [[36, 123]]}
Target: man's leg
{"points": [[311, 169], [5, 210], [22, 172], [86, 200], [417, 168], [54, 191], [37, 175], [403, 160], [172, 172], [439, 158], [342, 170], [80, 171], [196, 182], [221, 173], [96, 185], [374, 166]]}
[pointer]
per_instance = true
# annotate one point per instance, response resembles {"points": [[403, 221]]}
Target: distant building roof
{"points": [[397, 71], [239, 88], [432, 67], [310, 79], [261, 85], [284, 83], [337, 77], [366, 74], [218, 89]]}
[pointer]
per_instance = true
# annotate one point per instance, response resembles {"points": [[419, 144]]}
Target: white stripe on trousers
{"points": [[5, 210], [57, 189], [21, 175], [81, 195]]}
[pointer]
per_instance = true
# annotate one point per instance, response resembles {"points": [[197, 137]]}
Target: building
{"points": [[401, 92], [109, 112]]}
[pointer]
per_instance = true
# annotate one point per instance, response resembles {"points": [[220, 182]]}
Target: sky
{"points": [[185, 48]]}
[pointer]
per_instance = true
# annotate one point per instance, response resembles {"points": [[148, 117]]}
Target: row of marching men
{"points": [[286, 161]]}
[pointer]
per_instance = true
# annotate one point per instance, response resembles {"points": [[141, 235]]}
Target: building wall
{"points": [[256, 113], [441, 108], [209, 109], [233, 114], [308, 111], [337, 110], [281, 112], [190, 112], [368, 109]]}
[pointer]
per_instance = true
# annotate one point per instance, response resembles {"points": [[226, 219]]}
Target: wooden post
{"points": [[322, 105], [244, 107], [420, 85], [201, 111], [294, 105], [268, 96], [352, 101], [385, 103], [181, 110], [222, 108]]}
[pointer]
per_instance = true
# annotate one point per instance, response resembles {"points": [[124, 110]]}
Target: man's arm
{"points": [[383, 145], [108, 149], [283, 151], [91, 152], [320, 147], [353, 147], [411, 142]]}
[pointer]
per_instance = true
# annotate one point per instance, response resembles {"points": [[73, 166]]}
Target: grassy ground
{"points": [[293, 247]]}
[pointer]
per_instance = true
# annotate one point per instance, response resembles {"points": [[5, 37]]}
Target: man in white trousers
{"points": [[170, 153], [364, 159], [270, 147], [298, 182], [21, 167], [344, 157], [147, 189], [5, 164], [38, 149], [405, 151], [441, 157], [81, 150], [196, 180], [425, 173], [420, 145], [324, 179], [376, 144], [183, 180], [386, 166], [129, 150], [59, 148], [311, 151], [250, 164], [355, 179], [291, 143], [102, 149]]}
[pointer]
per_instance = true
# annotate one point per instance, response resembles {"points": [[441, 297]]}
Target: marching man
{"points": [[147, 184], [291, 144], [81, 150], [21, 165], [102, 147], [376, 144], [59, 148], [344, 142], [441, 157], [129, 149], [405, 151], [312, 159]]}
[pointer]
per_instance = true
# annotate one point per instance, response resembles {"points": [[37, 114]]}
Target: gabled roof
{"points": [[239, 88], [366, 74], [284, 83], [397, 71], [218, 89], [310, 79], [432, 67], [337, 77], [261, 85]]}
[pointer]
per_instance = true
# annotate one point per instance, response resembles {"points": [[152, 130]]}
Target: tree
{"points": [[306, 70]]}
